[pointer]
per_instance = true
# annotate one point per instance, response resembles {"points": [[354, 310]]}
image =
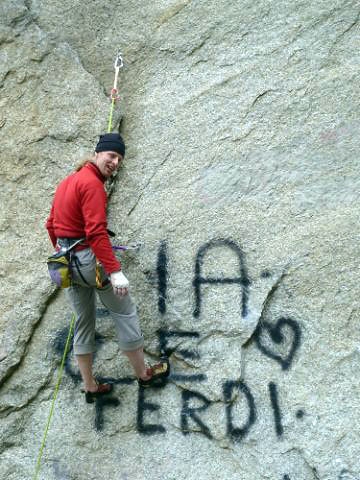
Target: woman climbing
{"points": [[79, 212]]}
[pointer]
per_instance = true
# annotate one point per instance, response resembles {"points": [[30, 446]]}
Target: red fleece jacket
{"points": [[79, 210]]}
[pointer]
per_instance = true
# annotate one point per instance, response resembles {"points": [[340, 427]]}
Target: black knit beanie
{"points": [[111, 142]]}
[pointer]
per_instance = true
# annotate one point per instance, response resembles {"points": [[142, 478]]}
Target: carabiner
{"points": [[132, 246], [118, 61]]}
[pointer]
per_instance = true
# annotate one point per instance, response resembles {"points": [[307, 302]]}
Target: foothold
{"points": [[300, 414]]}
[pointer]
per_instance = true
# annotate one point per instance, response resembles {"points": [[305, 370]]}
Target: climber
{"points": [[79, 211]]}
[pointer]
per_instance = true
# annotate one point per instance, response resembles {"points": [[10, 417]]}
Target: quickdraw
{"points": [[114, 96], [132, 246]]}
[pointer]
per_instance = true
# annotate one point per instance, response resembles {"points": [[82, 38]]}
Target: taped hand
{"points": [[119, 283]]}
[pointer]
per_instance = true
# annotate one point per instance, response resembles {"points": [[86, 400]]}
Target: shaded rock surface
{"points": [[241, 185]]}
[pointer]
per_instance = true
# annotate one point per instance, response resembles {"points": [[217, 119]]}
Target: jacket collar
{"points": [[96, 171]]}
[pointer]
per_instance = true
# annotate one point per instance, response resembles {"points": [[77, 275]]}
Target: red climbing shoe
{"points": [[102, 389], [158, 372]]}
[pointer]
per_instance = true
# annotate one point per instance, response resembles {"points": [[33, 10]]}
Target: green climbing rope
{"points": [[38, 463], [111, 115]]}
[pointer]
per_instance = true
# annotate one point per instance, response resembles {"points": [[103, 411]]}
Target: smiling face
{"points": [[107, 162]]}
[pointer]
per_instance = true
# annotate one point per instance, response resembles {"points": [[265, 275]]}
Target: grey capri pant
{"points": [[82, 297]]}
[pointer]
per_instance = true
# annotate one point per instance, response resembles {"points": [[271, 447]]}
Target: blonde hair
{"points": [[84, 161]]}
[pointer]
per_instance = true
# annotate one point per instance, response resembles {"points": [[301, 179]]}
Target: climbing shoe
{"points": [[102, 389], [157, 372]]}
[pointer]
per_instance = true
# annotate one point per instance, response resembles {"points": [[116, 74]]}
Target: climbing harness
{"points": [[38, 463], [59, 265], [114, 91]]}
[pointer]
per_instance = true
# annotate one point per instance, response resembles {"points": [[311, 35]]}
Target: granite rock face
{"points": [[241, 187]]}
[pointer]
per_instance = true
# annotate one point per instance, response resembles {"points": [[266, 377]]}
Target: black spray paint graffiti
{"points": [[59, 347], [276, 332], [144, 406], [277, 337], [347, 475], [242, 279], [276, 409], [161, 270], [279, 341], [100, 405], [190, 414], [238, 433]]}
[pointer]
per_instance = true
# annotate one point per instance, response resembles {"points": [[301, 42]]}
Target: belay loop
{"points": [[114, 91]]}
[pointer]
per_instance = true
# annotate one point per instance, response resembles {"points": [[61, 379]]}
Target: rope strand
{"points": [[111, 115], [38, 463]]}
